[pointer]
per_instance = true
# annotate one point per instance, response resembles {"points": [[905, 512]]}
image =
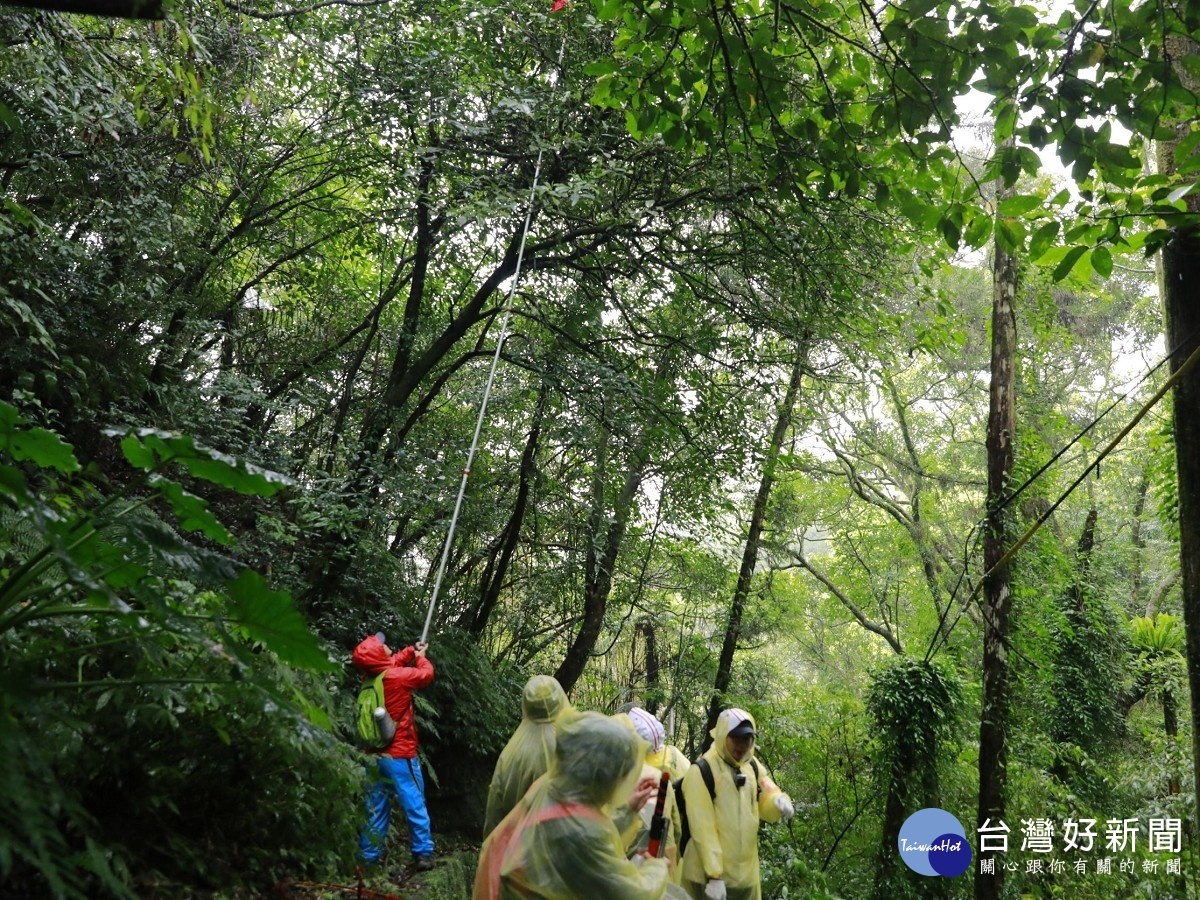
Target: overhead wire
{"points": [[1016, 546]]}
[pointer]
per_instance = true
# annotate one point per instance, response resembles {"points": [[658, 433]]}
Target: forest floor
{"points": [[451, 878]]}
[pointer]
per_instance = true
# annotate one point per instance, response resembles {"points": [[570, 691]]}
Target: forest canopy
{"points": [[838, 366]]}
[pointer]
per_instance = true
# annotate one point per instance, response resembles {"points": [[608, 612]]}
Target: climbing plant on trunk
{"points": [[914, 705]]}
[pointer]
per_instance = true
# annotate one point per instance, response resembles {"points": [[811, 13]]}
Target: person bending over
{"points": [[559, 842]]}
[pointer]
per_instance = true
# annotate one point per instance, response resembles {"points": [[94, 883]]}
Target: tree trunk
{"points": [[1138, 540], [497, 567], [997, 596], [1181, 280], [1080, 580], [758, 515], [599, 583], [334, 552], [1180, 287], [653, 692], [602, 553], [1170, 708]]}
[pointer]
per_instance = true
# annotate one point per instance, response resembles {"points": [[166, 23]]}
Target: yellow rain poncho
{"points": [[670, 759], [528, 753], [559, 842], [724, 827], [637, 839]]}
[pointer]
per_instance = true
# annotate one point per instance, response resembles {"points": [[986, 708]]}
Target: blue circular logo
{"points": [[933, 842]]}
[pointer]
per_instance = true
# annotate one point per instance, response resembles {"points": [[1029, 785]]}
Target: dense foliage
{"points": [[732, 265]]}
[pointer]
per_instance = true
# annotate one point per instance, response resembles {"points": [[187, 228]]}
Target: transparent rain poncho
{"points": [[635, 827], [560, 842], [530, 750]]}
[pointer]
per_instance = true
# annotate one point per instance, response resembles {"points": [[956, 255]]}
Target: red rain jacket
{"points": [[400, 679]]}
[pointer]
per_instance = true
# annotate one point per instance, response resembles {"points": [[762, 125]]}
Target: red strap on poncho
{"points": [[487, 880]]}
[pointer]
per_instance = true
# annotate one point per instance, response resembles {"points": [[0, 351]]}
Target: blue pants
{"points": [[396, 780]]}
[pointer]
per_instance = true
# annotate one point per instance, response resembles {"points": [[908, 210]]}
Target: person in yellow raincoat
{"points": [[528, 753], [559, 842], [661, 755], [634, 825], [720, 861]]}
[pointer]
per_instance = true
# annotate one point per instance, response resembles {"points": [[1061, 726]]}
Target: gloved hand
{"points": [[784, 805], [715, 889]]}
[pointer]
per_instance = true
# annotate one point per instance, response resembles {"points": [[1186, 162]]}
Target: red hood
{"points": [[371, 656]]}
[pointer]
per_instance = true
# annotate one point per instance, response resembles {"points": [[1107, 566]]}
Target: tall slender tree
{"points": [[997, 590], [754, 529]]}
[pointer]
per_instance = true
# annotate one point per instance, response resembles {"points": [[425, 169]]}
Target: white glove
{"points": [[784, 805], [715, 889]]}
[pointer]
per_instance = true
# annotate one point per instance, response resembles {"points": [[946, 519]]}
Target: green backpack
{"points": [[374, 727]]}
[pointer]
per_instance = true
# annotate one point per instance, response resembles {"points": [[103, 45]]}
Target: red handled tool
{"points": [[658, 822]]}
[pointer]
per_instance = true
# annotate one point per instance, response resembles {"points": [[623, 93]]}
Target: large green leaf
{"points": [[150, 448], [37, 445], [193, 513], [272, 618]]}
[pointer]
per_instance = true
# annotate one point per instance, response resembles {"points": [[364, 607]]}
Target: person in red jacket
{"points": [[397, 768]]}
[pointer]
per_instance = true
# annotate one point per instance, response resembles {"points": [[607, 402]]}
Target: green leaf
{"points": [[192, 512], [1019, 205], [7, 119], [1006, 122], [146, 445], [193, 562], [1186, 147], [917, 209], [12, 483], [1020, 16], [1117, 155], [136, 453], [37, 445], [631, 123], [601, 67], [608, 10], [271, 618], [1063, 269], [1042, 239], [45, 448], [1155, 240], [1102, 261], [979, 230], [241, 476], [1010, 234], [951, 232]]}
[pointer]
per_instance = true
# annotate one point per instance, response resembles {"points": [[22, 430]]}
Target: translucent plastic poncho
{"points": [[530, 750], [560, 842], [670, 759], [635, 828]]}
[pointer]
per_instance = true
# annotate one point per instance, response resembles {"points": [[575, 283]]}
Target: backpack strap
{"points": [[707, 774], [562, 811]]}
